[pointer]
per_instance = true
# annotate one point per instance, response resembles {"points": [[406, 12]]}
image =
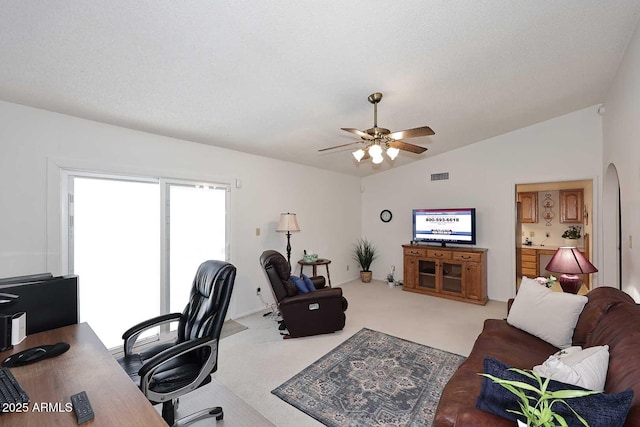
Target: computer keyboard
{"points": [[11, 393]]}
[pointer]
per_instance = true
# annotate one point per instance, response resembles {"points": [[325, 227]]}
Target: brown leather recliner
{"points": [[312, 313]]}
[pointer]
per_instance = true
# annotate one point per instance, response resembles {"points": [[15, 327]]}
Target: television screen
{"points": [[445, 225]]}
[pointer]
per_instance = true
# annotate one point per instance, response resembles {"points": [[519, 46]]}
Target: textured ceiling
{"points": [[280, 78]]}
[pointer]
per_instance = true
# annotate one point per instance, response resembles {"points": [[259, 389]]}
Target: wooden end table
{"points": [[315, 264]]}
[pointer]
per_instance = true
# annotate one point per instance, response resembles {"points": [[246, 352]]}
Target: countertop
{"points": [[549, 247], [542, 247]]}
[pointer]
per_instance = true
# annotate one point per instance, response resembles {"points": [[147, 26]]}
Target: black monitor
{"points": [[50, 302], [25, 279]]}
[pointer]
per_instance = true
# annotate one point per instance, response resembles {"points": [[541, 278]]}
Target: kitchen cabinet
{"points": [[571, 206], [529, 262], [528, 207]]}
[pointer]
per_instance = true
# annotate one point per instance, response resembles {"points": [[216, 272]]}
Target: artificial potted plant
{"points": [[572, 234], [364, 253], [536, 402]]}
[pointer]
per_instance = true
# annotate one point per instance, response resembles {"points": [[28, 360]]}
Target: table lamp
{"points": [[570, 262], [288, 223]]}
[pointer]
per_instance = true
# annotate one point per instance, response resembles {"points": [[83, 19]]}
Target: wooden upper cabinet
{"points": [[571, 205], [528, 207]]}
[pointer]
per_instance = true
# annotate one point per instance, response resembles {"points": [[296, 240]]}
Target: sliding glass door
{"points": [[136, 243], [197, 231]]}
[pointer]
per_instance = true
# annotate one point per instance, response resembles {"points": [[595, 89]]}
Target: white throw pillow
{"points": [[548, 315], [586, 368]]}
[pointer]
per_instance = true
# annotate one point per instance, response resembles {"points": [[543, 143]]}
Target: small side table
{"points": [[315, 264]]}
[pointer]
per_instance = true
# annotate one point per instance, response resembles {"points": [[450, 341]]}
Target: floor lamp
{"points": [[288, 223]]}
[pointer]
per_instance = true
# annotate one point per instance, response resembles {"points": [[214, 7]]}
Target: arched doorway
{"points": [[611, 229]]}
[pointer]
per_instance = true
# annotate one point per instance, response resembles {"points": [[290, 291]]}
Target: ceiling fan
{"points": [[377, 139]]}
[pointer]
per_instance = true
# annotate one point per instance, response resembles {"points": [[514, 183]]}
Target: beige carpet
{"points": [[257, 360], [230, 327], [237, 413]]}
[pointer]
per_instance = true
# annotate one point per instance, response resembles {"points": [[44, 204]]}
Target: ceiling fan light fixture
{"points": [[375, 151], [392, 152], [378, 140]]}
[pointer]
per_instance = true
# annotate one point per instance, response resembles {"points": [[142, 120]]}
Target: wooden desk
{"points": [[315, 264], [87, 366]]}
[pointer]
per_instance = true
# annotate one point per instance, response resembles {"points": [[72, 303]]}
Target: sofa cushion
{"points": [[500, 340], [605, 410], [585, 368], [550, 316], [601, 300]]}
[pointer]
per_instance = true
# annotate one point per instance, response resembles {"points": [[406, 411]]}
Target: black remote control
{"points": [[82, 407]]}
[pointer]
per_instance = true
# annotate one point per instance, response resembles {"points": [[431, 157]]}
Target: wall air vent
{"points": [[440, 176]]}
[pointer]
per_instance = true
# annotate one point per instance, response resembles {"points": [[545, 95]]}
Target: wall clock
{"points": [[386, 215]]}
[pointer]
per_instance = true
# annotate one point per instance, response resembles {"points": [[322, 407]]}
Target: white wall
{"points": [[621, 135], [483, 175], [35, 143]]}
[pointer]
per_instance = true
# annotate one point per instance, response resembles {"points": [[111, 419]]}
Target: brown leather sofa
{"points": [[610, 317], [312, 313]]}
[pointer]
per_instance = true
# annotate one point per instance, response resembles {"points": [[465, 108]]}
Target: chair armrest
{"points": [[150, 367], [318, 295], [130, 336], [319, 282]]}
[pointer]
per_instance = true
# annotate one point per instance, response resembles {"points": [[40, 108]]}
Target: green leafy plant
{"points": [[538, 410], [573, 232], [364, 253]]}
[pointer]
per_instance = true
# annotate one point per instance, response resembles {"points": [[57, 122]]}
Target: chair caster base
{"points": [[205, 413], [217, 412]]}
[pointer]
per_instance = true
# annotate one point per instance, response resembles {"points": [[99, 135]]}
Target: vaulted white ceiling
{"points": [[280, 78]]}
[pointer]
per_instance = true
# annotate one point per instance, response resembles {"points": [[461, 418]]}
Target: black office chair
{"points": [[167, 371]]}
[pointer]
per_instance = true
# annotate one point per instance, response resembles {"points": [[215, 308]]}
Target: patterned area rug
{"points": [[372, 379]]}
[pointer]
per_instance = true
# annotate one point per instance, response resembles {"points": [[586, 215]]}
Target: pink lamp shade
{"points": [[570, 262]]}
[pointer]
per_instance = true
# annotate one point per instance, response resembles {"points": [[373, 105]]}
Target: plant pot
{"points": [[571, 242], [365, 276]]}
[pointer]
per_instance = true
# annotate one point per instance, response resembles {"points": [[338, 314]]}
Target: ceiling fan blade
{"points": [[366, 155], [412, 133], [407, 147], [338, 146], [358, 132]]}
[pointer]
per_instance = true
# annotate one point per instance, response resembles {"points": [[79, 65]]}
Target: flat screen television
{"points": [[456, 226]]}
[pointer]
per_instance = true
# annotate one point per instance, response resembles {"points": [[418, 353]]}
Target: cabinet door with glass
{"points": [[428, 272], [452, 279]]}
